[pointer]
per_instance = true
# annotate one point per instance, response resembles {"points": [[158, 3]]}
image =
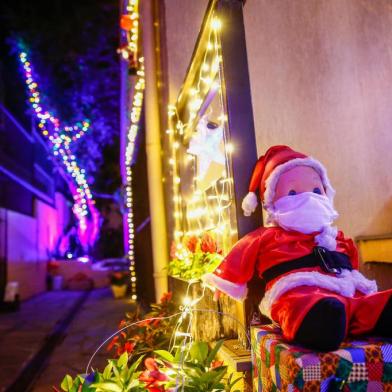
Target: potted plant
{"points": [[119, 283], [194, 256], [55, 280]]}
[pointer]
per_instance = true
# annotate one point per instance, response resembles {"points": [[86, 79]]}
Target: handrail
{"points": [[16, 123]]}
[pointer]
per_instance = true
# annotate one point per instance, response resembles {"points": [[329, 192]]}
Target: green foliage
{"points": [[152, 333], [117, 376], [197, 369], [192, 370]]}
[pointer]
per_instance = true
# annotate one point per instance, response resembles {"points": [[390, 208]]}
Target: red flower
{"points": [[122, 324], [112, 343], [119, 351], [166, 297], [156, 322], [208, 244], [215, 364], [191, 243], [152, 376], [129, 346], [145, 323]]}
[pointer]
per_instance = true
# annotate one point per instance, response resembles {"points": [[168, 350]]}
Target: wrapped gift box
{"points": [[359, 365]]}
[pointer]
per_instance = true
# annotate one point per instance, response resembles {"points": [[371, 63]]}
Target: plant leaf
{"points": [[107, 371], [135, 365], [177, 356], [232, 383], [165, 355], [199, 351], [108, 386], [123, 360], [67, 383], [213, 352]]}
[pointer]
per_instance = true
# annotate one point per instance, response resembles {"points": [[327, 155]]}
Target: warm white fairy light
{"points": [[130, 50], [135, 108]]}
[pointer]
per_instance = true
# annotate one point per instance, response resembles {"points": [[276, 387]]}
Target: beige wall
{"points": [[321, 81], [183, 20], [30, 242]]}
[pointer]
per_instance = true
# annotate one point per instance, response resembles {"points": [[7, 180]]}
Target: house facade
{"points": [[318, 74], [35, 204]]}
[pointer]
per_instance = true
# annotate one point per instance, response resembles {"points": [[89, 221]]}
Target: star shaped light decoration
{"points": [[205, 145]]}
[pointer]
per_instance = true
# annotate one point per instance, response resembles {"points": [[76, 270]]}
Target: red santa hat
{"points": [[277, 160]]}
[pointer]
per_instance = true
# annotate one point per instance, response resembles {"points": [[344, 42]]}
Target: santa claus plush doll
{"points": [[314, 290]]}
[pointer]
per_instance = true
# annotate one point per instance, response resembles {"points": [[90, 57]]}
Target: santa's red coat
{"points": [[290, 296]]}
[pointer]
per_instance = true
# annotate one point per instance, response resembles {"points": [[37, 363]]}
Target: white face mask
{"points": [[306, 212]]}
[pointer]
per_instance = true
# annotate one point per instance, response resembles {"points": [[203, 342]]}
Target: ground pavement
{"points": [[53, 334]]}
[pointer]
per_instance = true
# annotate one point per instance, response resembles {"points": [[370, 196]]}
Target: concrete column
{"points": [[153, 150]]}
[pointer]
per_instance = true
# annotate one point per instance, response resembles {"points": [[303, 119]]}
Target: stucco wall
{"points": [[321, 77], [23, 262], [30, 242], [183, 19]]}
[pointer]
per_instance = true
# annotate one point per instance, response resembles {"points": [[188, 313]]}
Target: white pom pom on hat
{"points": [[249, 203], [265, 176]]}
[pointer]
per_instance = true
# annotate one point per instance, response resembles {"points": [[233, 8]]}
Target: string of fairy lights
{"points": [[130, 24], [208, 209], [129, 52], [136, 109], [60, 138]]}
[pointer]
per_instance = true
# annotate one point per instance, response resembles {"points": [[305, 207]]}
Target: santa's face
{"points": [[298, 180]]}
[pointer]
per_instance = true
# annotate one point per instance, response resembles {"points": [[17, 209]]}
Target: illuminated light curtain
{"points": [[60, 139], [200, 146]]}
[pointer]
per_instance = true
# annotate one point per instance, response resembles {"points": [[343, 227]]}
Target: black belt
{"points": [[329, 261]]}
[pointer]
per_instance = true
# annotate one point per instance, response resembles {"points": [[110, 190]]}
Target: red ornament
{"points": [[126, 23]]}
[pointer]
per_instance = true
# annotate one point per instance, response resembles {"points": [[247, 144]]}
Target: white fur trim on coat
{"points": [[272, 180], [237, 291], [345, 284]]}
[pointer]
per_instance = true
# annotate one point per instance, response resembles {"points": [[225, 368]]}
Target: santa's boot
{"points": [[324, 326], [383, 326]]}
